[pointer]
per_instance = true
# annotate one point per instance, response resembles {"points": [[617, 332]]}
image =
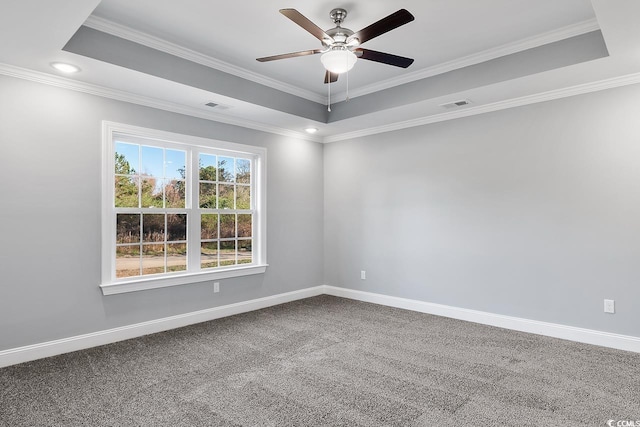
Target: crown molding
{"points": [[118, 30], [496, 106], [119, 95], [65, 83], [476, 58]]}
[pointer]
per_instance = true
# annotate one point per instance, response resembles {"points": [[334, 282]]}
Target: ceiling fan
{"points": [[341, 45]]}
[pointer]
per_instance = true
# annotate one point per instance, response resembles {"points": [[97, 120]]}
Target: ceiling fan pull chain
{"points": [[329, 98], [347, 100]]}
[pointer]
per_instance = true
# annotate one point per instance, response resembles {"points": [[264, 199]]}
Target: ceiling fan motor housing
{"points": [[339, 36]]}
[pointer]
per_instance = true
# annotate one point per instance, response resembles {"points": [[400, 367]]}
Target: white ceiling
{"points": [[446, 34]]}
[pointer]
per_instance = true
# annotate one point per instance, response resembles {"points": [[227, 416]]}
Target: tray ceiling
{"points": [[181, 55]]}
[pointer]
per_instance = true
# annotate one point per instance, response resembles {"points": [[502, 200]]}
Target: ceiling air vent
{"points": [[456, 104], [212, 104]]}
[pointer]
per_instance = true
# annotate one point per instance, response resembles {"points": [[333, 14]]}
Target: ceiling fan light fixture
{"points": [[338, 61]]}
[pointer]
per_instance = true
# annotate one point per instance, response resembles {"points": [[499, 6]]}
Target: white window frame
{"points": [[191, 144]]}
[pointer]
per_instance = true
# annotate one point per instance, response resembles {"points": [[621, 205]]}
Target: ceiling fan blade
{"points": [[385, 58], [289, 55], [328, 75], [384, 25], [305, 23]]}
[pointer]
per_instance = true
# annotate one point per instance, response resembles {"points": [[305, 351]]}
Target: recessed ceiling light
{"points": [[65, 68], [311, 130]]}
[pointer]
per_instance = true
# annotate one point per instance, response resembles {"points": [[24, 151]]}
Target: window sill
{"points": [[144, 284]]}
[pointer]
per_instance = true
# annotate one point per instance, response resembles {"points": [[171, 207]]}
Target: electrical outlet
{"points": [[609, 306], [363, 275], [216, 287]]}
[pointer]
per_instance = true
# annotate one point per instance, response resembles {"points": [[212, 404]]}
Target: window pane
{"points": [[209, 226], [228, 253], [225, 201], [243, 171], [127, 261], [243, 200], [244, 225], [208, 167], [244, 252], [226, 169], [176, 227], [151, 192], [153, 228], [128, 228], [174, 164], [126, 192], [174, 193], [227, 226], [208, 195], [152, 259], [152, 161], [176, 256], [209, 255], [127, 158]]}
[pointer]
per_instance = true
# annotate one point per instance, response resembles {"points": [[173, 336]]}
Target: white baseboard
{"points": [[588, 336], [80, 342]]}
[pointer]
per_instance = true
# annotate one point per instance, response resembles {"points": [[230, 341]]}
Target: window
{"points": [[179, 209]]}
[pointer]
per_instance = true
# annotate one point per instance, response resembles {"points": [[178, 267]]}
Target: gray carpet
{"points": [[327, 361]]}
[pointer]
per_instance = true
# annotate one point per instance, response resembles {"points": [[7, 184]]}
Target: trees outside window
{"points": [[175, 208]]}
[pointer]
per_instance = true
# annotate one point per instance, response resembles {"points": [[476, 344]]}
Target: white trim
{"points": [[143, 284], [80, 342], [65, 83], [119, 95], [118, 30], [496, 106], [106, 230], [182, 139], [477, 58], [571, 333]]}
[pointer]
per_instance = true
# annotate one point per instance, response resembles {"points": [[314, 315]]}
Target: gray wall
{"points": [[50, 216], [531, 212]]}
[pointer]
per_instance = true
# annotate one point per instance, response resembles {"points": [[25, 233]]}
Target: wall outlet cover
{"points": [[609, 306]]}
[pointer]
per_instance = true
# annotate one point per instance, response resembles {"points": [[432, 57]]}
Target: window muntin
{"points": [[180, 209]]}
